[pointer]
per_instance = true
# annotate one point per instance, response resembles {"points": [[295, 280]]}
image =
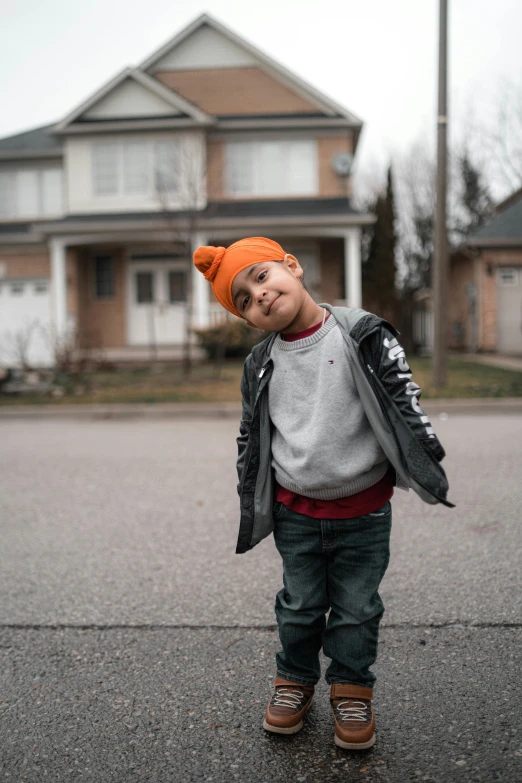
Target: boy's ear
{"points": [[293, 264]]}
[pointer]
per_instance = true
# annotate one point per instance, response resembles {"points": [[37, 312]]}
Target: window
{"points": [[144, 287], [40, 288], [17, 288], [136, 168], [508, 276], [51, 184], [167, 166], [177, 291], [106, 169], [272, 168], [103, 277], [7, 194], [30, 193]]}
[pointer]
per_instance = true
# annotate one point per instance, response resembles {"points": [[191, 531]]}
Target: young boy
{"points": [[331, 423]]}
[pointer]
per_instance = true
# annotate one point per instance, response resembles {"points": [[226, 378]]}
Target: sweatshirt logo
{"points": [[330, 361]]}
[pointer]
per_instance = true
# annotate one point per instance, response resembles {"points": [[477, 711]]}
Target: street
{"points": [[136, 645]]}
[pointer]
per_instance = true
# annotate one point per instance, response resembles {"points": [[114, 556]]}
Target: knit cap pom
{"points": [[207, 259]]}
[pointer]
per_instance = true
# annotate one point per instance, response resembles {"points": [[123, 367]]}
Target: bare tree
{"points": [[16, 346], [180, 183], [415, 199], [503, 135]]}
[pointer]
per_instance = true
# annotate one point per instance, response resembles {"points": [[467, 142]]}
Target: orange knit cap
{"points": [[220, 265]]}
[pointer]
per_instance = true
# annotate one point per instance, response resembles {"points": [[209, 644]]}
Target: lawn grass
{"points": [[165, 383]]}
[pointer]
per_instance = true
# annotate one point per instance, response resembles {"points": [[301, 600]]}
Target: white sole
{"points": [[354, 745], [281, 730], [290, 729]]}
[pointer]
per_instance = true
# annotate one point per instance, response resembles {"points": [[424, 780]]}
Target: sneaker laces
{"points": [[352, 712], [286, 697]]}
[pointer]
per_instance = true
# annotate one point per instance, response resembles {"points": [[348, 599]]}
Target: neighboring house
{"points": [[208, 140], [485, 311], [485, 288]]}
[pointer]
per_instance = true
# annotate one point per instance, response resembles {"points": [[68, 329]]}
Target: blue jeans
{"points": [[336, 565]]}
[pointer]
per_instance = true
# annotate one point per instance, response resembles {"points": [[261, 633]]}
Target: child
{"points": [[331, 423]]}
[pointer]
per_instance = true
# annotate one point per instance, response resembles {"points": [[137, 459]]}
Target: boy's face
{"points": [[269, 294]]}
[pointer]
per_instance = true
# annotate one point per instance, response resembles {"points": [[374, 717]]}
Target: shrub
{"points": [[230, 339]]}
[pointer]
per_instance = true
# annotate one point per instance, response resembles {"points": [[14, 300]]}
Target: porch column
{"points": [[58, 288], [200, 287], [352, 267]]}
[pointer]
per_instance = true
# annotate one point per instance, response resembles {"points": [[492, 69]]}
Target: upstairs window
{"points": [[271, 168], [135, 168], [30, 193]]}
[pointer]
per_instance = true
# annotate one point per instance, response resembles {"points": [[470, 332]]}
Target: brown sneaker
{"points": [[354, 720], [287, 707]]}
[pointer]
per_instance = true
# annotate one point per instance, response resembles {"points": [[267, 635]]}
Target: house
{"points": [[207, 141], [485, 306]]}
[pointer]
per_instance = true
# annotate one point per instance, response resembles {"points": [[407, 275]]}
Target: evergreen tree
{"points": [[474, 197], [378, 271]]}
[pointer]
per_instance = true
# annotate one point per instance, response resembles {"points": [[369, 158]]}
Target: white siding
{"points": [[117, 172], [205, 48], [130, 99]]}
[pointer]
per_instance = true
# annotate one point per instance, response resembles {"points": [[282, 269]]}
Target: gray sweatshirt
{"points": [[322, 444]]}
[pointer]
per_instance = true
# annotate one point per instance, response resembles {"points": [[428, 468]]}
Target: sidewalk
{"points": [[175, 410]]}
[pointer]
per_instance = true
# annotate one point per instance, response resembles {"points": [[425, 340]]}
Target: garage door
{"points": [[509, 286], [25, 322]]}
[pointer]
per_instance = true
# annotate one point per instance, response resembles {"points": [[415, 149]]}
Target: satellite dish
{"points": [[342, 163]]}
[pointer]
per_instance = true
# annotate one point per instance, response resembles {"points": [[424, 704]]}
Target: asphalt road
{"points": [[135, 644]]}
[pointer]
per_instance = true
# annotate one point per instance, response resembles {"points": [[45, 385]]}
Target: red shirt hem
{"points": [[357, 505]]}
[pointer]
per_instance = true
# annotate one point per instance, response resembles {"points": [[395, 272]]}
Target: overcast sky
{"points": [[378, 58]]}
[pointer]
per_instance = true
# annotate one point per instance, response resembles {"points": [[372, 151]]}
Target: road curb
{"points": [[508, 405]]}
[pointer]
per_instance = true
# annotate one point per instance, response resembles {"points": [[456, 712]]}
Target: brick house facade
{"points": [[207, 141]]}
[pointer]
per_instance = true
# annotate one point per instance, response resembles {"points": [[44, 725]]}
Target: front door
{"points": [[156, 303]]}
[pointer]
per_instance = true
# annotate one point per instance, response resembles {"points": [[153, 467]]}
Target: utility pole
{"points": [[440, 266]]}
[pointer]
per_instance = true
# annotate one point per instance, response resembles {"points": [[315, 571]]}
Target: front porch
{"points": [[127, 300]]}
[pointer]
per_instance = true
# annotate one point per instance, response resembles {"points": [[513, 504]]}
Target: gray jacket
{"points": [[390, 401]]}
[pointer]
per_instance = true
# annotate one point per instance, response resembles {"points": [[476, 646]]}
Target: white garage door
{"points": [[25, 322], [509, 319]]}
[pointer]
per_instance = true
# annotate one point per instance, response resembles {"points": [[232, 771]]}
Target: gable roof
{"points": [[504, 228], [274, 69], [177, 105]]}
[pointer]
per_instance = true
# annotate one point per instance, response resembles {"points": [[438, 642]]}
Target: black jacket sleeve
{"points": [[394, 373], [244, 427]]}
